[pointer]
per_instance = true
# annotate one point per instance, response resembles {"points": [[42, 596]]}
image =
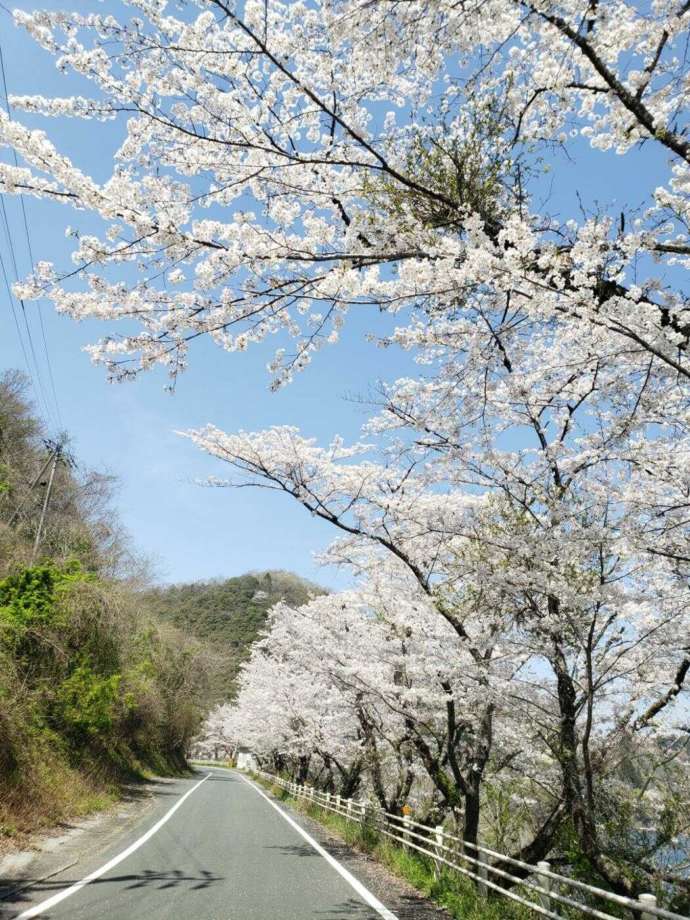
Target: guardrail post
{"points": [[367, 814], [482, 887], [337, 802], [328, 799], [349, 809], [407, 824], [544, 883], [647, 900], [438, 840]]}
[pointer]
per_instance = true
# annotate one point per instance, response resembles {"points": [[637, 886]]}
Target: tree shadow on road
{"points": [[294, 849], [345, 909], [27, 890], [404, 908], [170, 879]]}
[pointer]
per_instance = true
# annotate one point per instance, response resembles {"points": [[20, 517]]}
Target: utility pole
{"points": [[33, 485], [57, 452]]}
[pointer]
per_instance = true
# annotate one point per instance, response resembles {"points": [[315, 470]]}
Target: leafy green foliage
{"points": [[470, 173], [28, 602], [88, 702], [91, 691]]}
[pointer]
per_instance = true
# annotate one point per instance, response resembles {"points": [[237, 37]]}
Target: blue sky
{"points": [[128, 429]]}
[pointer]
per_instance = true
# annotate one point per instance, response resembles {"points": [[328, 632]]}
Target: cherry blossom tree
{"points": [[281, 163]]}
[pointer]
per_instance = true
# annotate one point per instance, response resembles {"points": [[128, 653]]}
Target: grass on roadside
{"points": [[56, 793], [446, 888]]}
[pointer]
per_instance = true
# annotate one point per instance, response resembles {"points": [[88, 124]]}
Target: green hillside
{"points": [[93, 689], [227, 615]]}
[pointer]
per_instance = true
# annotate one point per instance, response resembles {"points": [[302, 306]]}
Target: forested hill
{"points": [[228, 614]]}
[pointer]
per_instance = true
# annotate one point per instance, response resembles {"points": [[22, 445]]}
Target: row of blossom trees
{"points": [[467, 675], [517, 511]]}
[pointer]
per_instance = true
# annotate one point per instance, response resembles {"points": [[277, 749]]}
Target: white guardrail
{"points": [[544, 891]]}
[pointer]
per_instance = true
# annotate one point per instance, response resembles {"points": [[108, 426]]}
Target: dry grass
{"points": [[55, 795]]}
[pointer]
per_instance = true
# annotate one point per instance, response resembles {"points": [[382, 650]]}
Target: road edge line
{"points": [[116, 860], [363, 892]]}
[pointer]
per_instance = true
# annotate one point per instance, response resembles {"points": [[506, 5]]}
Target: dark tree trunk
{"points": [[302, 769], [351, 781], [470, 834], [576, 804]]}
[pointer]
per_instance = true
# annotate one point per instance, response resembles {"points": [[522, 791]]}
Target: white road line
{"points": [[363, 892], [116, 860]]}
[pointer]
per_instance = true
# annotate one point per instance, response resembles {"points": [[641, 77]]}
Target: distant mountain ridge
{"points": [[228, 614]]}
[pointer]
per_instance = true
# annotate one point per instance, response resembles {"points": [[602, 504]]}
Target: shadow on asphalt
{"points": [[149, 878], [350, 908], [405, 907], [294, 849]]}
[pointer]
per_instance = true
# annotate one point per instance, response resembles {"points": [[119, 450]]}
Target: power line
{"points": [[29, 248], [51, 377], [32, 349], [14, 314]]}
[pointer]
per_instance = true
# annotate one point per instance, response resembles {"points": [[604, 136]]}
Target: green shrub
{"points": [[87, 703]]}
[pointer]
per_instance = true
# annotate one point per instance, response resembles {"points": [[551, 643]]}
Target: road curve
{"points": [[215, 849]]}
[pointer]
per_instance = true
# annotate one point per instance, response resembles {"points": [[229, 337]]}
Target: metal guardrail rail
{"points": [[543, 891]]}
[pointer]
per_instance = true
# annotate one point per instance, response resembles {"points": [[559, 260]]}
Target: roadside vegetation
{"points": [[94, 689]]}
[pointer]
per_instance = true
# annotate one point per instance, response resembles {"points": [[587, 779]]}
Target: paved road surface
{"points": [[225, 853]]}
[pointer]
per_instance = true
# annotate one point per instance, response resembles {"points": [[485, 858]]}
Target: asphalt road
{"points": [[214, 848]]}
